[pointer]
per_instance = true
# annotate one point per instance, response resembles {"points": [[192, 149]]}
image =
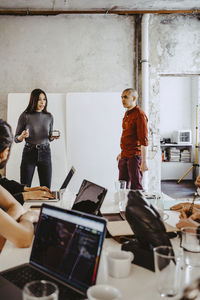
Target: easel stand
{"points": [[195, 164]]}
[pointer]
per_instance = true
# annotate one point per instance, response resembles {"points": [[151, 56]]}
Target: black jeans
{"points": [[36, 156]]}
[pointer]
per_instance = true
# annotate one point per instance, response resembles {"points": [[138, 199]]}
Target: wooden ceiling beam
{"points": [[31, 12]]}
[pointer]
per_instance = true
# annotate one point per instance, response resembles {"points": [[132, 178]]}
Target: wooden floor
{"points": [[184, 189]]}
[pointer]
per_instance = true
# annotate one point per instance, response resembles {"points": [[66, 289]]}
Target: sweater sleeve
{"points": [[21, 125], [12, 186], [142, 129]]}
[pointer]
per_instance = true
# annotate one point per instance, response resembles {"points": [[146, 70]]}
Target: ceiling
{"points": [[98, 6]]}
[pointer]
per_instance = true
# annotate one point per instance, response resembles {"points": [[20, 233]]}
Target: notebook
{"points": [[66, 250], [89, 198], [58, 194]]}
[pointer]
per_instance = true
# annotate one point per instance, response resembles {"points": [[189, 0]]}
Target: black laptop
{"points": [[89, 198], [66, 250]]}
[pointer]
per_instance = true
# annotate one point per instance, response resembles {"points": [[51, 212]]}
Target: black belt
{"points": [[37, 146]]}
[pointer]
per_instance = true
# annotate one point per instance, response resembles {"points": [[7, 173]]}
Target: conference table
{"points": [[141, 282]]}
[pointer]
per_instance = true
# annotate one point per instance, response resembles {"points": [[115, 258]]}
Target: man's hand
{"points": [[43, 195], [143, 166], [118, 157]]}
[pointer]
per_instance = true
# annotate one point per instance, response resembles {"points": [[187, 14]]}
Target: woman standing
{"points": [[35, 125]]}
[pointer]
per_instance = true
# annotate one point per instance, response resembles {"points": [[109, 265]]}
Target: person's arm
{"points": [[19, 233], [10, 210], [9, 204], [21, 131], [12, 186], [142, 134], [143, 166]]}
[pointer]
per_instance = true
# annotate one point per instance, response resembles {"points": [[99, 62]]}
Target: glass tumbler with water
{"points": [[40, 290]]}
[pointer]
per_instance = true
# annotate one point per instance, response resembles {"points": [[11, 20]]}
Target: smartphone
{"points": [[35, 206]]}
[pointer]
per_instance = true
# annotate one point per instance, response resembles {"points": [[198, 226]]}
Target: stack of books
{"points": [[185, 155], [174, 154]]}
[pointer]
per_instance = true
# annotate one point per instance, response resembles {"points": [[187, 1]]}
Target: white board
{"points": [[17, 102], [94, 126]]}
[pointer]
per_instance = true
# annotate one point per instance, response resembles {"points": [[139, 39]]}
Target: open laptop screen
{"points": [[68, 246], [68, 178], [89, 198]]}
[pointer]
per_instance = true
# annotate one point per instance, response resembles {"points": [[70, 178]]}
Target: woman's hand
{"points": [[180, 206], [43, 195], [23, 135], [186, 223], [36, 188]]}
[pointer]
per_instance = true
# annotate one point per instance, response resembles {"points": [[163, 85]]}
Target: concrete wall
{"points": [[174, 49], [69, 53], [95, 53]]}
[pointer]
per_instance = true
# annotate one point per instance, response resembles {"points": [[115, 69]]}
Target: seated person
{"points": [[19, 191], [15, 224], [183, 208], [23, 193]]}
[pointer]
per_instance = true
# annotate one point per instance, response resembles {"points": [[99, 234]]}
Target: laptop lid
{"points": [[89, 198], [68, 178], [68, 246]]}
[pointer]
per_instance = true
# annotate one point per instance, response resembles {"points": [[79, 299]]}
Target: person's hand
{"points": [[43, 195], [23, 135], [186, 223], [197, 182], [31, 216], [143, 166], [180, 206], [118, 157], [36, 188], [184, 212]]}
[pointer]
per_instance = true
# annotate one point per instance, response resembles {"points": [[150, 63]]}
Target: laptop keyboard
{"points": [[25, 274]]}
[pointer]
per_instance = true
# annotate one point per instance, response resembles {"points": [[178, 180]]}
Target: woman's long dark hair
{"points": [[34, 98], [6, 136]]}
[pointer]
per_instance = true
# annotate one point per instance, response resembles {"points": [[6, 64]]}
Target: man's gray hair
{"points": [[132, 91]]}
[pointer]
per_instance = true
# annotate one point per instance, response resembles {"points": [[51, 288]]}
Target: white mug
{"points": [[103, 292], [119, 263]]}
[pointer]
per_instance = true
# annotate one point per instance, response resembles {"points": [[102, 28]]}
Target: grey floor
{"points": [[184, 189]]}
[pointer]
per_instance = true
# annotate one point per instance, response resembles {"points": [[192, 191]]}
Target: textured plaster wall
{"points": [[69, 53], [174, 49]]}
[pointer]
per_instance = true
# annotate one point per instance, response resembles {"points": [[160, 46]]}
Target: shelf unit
{"points": [[173, 170]]}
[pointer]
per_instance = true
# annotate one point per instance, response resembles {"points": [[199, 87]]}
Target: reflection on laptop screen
{"points": [[89, 198], [68, 245]]}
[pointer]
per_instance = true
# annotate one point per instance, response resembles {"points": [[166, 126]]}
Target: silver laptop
{"points": [[66, 250], [58, 194]]}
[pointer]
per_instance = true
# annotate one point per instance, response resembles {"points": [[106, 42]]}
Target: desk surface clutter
{"points": [[140, 284]]}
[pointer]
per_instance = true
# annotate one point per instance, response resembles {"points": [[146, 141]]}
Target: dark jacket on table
{"points": [[14, 188]]}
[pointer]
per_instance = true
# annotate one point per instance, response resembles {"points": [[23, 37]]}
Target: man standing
{"points": [[134, 141]]}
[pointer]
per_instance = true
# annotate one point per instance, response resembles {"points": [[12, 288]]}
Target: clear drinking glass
{"points": [[120, 187], [40, 290], [167, 271], [190, 242]]}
